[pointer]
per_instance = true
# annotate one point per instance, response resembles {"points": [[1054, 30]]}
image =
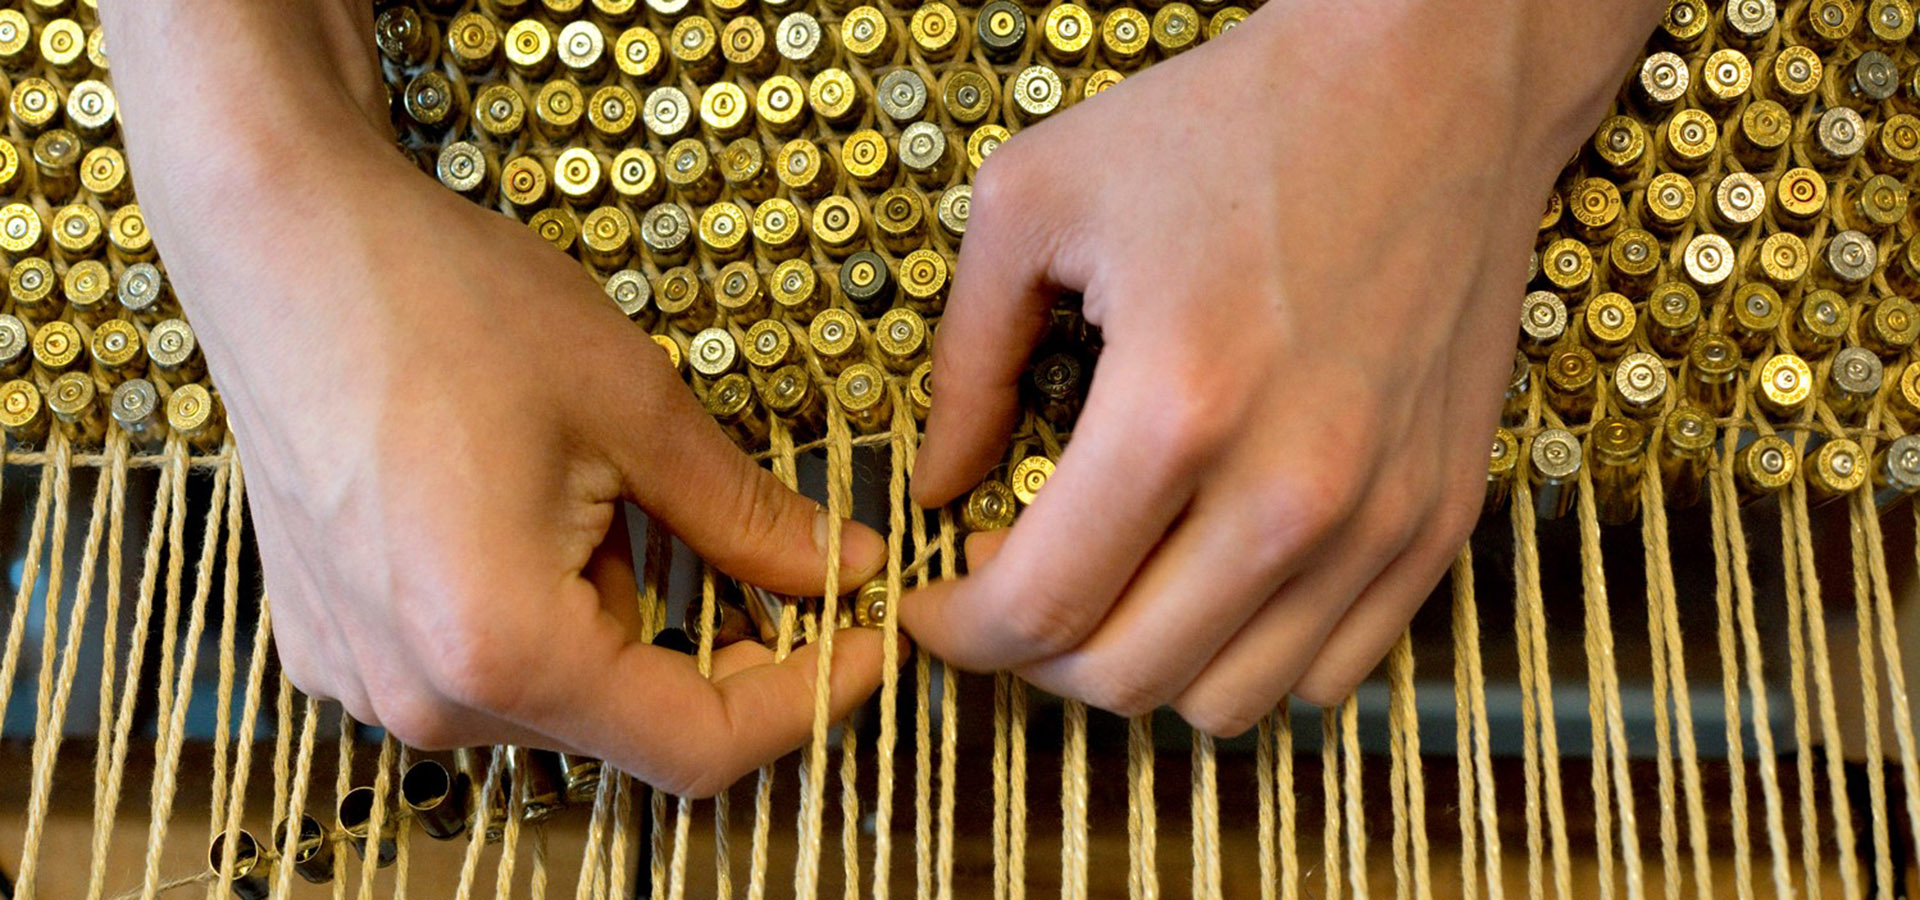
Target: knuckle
{"points": [[1326, 687], [1224, 717], [1301, 508], [472, 668], [1048, 623], [418, 720], [1121, 690]]}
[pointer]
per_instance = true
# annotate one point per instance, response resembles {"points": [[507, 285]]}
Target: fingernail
{"points": [[862, 550]]}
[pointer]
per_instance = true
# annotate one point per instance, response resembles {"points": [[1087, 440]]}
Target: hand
{"points": [[1306, 257], [439, 417]]}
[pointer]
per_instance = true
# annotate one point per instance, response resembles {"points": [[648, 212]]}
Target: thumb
{"points": [[678, 465]]}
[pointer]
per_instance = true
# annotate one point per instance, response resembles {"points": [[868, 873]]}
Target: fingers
{"points": [[678, 465], [998, 311]]}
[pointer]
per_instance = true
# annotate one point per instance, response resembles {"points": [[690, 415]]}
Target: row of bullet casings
{"points": [[1740, 246], [442, 800], [91, 338]]}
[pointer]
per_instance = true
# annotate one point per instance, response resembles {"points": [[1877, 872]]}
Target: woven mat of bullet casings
{"points": [[776, 191]]}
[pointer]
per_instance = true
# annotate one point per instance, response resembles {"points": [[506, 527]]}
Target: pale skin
{"points": [[1307, 318]]}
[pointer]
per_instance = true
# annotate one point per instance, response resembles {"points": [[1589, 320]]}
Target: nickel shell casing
{"points": [[1502, 463], [1853, 378], [1896, 470], [1640, 384], [1555, 471], [1543, 320]]}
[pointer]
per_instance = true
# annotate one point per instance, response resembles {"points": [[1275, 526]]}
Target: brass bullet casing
{"points": [[464, 168], [1869, 80], [861, 391], [1686, 449], [779, 229], [935, 31], [695, 46], [725, 231], [923, 281], [801, 41], [558, 227], [436, 798], [632, 293], [558, 108], [1502, 463], [666, 231], [614, 113], [870, 605], [1764, 467], [1874, 205], [1747, 22], [1904, 400], [403, 37], [676, 354], [22, 413], [1896, 470], [834, 336], [1889, 326], [1633, 258], [1662, 81], [16, 346], [1738, 200], [135, 407], [312, 851], [541, 784], [1513, 406], [900, 217], [1818, 323], [1783, 386], [435, 103], [924, 153], [838, 227], [1836, 469], [1848, 260], [87, 286], [1691, 138], [952, 210], [866, 283], [56, 162], [128, 240], [744, 42], [834, 98], [725, 110], [1640, 384], [901, 95], [21, 232], [1853, 378], [1224, 21], [1890, 21], [1176, 28], [63, 48], [789, 394], [12, 173], [1029, 475], [1825, 23], [117, 350], [743, 165], [1618, 449], [1620, 144], [506, 9], [1036, 93], [781, 104], [1000, 30], [354, 816], [1708, 263], [1673, 317], [246, 867], [1067, 33], [639, 56], [1903, 271], [1124, 36], [1571, 374], [529, 48], [1896, 143], [1761, 132], [920, 390], [1567, 264], [901, 338], [606, 238], [1713, 361], [1782, 260], [1058, 388], [35, 289], [499, 111], [867, 159], [968, 96], [769, 344], [57, 347], [738, 295], [730, 401], [16, 41], [681, 296], [72, 400], [690, 171], [1555, 471], [797, 291], [473, 42], [1668, 202], [582, 49], [524, 184], [1799, 197], [35, 105], [78, 232], [1792, 76], [1550, 216], [805, 169], [1753, 316], [1837, 139], [667, 112], [865, 34], [1725, 77], [142, 290], [92, 109], [989, 507], [1608, 322], [635, 177], [193, 413], [583, 778], [1685, 23]]}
